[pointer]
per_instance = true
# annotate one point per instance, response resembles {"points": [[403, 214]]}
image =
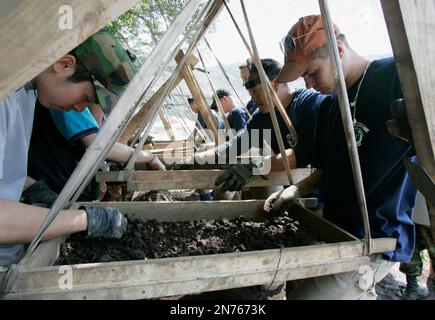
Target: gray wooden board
{"points": [[191, 179], [172, 285], [411, 28], [32, 39]]}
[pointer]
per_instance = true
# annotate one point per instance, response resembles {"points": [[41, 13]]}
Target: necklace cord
{"points": [[355, 101]]}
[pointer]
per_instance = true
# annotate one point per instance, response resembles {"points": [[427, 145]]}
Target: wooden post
{"points": [[164, 117], [138, 118], [198, 96], [412, 29], [35, 34]]}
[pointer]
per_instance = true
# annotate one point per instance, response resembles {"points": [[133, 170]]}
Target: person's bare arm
{"points": [[276, 161], [310, 183], [19, 222], [120, 152]]}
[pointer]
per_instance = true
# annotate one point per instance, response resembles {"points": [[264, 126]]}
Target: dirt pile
{"points": [[162, 195], [151, 239]]}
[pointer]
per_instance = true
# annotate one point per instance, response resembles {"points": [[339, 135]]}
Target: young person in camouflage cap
{"points": [[64, 136], [108, 64], [66, 85]]}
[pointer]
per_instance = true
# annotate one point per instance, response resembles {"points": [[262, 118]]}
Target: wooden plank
{"points": [[32, 39], [136, 122], [170, 144], [321, 226], [412, 28], [146, 289], [190, 274], [46, 253], [185, 210], [166, 124], [190, 179], [200, 179]]}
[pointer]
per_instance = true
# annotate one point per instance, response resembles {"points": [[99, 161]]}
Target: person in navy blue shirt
{"points": [[372, 87], [302, 108], [195, 108], [236, 116]]}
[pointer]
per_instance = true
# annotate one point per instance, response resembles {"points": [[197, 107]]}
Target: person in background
{"points": [[244, 74], [236, 116]]}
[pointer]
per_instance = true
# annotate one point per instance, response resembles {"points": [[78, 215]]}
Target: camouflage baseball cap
{"points": [[110, 65]]}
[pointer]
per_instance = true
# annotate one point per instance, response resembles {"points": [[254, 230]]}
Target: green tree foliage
{"points": [[141, 27]]}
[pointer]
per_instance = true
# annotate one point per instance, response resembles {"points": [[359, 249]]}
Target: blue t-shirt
{"points": [[237, 119], [302, 112], [389, 193], [74, 125], [217, 118]]}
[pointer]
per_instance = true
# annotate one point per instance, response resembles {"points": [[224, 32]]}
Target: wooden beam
{"points": [[191, 179], [177, 211], [46, 253], [187, 275], [136, 122], [166, 124], [411, 27], [171, 144], [198, 95], [32, 37]]}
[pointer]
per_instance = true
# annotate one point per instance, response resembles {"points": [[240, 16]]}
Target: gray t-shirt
{"points": [[16, 122]]}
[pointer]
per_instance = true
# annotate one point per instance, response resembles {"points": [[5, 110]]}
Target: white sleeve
{"points": [[3, 135]]}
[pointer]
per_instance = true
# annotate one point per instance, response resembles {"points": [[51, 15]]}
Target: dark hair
{"points": [[222, 93], [81, 73], [270, 66], [322, 52]]}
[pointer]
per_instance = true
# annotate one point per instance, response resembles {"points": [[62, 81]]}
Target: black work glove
{"points": [[399, 126], [105, 223], [237, 176], [39, 193]]}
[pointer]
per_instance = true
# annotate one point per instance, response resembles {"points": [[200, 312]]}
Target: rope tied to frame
{"points": [[278, 265]]}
